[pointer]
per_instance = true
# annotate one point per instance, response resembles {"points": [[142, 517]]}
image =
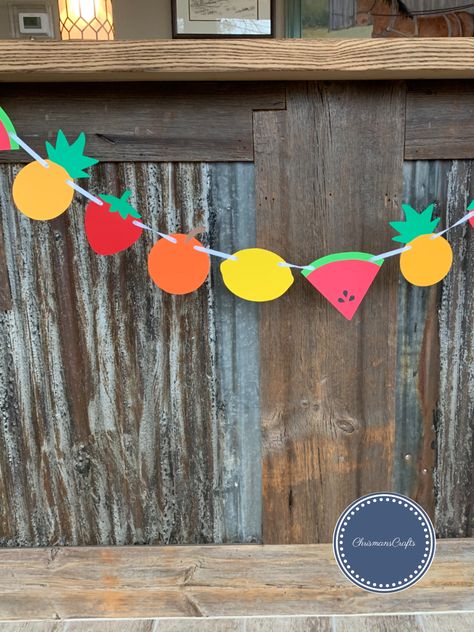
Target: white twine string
{"points": [[44, 164]]}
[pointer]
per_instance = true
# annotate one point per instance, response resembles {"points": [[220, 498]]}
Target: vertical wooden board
{"points": [[418, 355], [328, 175], [5, 294], [111, 432], [455, 425], [232, 226]]}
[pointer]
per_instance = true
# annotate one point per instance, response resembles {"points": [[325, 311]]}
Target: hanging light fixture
{"points": [[86, 20]]}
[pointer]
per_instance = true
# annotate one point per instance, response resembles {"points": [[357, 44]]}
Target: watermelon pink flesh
{"points": [[344, 283], [4, 138]]}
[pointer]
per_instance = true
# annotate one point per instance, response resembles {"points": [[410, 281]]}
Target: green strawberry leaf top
{"points": [[120, 205], [70, 157], [415, 224], [471, 206]]}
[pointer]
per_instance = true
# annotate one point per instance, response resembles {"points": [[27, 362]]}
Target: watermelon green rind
{"points": [[8, 125], [340, 256]]}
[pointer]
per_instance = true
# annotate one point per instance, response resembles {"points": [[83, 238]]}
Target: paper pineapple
{"points": [[41, 192], [429, 258]]}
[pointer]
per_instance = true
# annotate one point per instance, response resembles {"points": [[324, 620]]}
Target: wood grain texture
{"points": [[418, 367], [241, 60], [5, 294], [328, 401], [451, 622], [252, 580], [116, 426], [440, 120], [154, 122], [455, 424]]}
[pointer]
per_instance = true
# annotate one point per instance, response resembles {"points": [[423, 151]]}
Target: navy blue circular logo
{"points": [[384, 542]]}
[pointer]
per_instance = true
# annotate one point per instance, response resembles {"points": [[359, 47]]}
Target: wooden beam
{"points": [[440, 120], [203, 122], [454, 622], [208, 581], [154, 60]]}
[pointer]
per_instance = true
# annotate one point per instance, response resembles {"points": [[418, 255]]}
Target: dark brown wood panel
{"points": [[329, 177], [440, 120], [137, 122], [211, 581]]}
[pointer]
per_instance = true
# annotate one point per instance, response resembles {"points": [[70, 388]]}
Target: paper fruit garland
{"points": [[110, 228], [178, 268], [343, 279], [6, 127], [255, 275], [42, 193], [430, 257], [180, 264]]}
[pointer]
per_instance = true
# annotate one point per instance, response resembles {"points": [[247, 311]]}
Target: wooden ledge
{"points": [[213, 581], [237, 60]]}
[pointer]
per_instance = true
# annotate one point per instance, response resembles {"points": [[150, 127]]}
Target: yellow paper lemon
{"points": [[427, 262], [256, 275]]}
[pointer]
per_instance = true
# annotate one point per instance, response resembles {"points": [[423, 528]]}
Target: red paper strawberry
{"points": [[110, 227]]}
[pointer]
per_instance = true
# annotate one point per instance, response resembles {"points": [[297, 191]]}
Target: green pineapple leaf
{"points": [[120, 205], [71, 157], [415, 224]]}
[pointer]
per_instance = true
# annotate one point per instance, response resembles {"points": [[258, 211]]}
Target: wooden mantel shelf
{"points": [[236, 60], [215, 581]]}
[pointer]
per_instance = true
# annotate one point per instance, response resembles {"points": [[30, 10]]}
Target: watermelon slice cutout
{"points": [[343, 279], [6, 126]]}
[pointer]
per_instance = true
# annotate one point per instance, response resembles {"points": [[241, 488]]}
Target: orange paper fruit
{"points": [[41, 192], [177, 268], [429, 257]]}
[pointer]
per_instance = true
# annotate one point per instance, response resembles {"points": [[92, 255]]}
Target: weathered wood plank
{"points": [[252, 580], [327, 386], [440, 120], [455, 423], [158, 122], [242, 60], [452, 622], [5, 294], [232, 227], [418, 358], [112, 426]]}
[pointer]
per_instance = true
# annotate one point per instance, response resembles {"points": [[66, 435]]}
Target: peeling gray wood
{"points": [[435, 395], [237, 359], [455, 427], [417, 357], [112, 431]]}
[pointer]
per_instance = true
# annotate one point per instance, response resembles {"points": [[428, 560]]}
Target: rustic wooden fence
{"points": [[132, 417]]}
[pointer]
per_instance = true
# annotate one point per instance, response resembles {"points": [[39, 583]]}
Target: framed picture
{"points": [[223, 18]]}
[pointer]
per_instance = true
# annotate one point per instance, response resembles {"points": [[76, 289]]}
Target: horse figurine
{"points": [[391, 18]]}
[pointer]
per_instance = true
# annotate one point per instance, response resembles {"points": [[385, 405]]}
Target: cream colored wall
{"points": [[139, 19], [4, 20], [149, 19]]}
